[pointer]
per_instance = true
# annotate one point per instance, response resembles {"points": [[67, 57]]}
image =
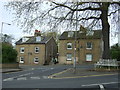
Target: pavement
{"points": [[10, 70], [71, 72], [80, 72]]}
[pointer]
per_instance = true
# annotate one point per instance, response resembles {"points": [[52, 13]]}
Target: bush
{"points": [[9, 55], [115, 52]]}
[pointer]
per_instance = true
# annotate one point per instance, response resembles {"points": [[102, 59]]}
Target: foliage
{"points": [[55, 35], [9, 55], [115, 52], [67, 15], [7, 38], [52, 14]]}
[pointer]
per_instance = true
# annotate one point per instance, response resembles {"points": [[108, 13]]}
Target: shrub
{"points": [[9, 54], [115, 52]]}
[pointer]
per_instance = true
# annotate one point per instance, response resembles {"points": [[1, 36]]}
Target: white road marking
{"points": [[22, 78], [35, 77], [33, 69], [8, 79], [25, 74], [22, 75], [51, 68], [45, 77], [101, 87], [98, 84]]}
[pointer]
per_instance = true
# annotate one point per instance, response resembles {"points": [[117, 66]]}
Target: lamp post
{"points": [[74, 64], [2, 28]]}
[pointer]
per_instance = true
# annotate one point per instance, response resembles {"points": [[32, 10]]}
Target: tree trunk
{"points": [[105, 30]]}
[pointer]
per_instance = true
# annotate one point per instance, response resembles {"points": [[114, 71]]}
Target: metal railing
{"points": [[106, 63]]}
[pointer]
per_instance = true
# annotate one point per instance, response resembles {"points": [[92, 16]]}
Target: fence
{"points": [[106, 63]]}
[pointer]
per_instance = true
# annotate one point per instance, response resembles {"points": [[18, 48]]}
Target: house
{"points": [[87, 49], [36, 49]]}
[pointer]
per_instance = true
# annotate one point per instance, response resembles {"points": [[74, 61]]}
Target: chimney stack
{"points": [[37, 33], [82, 29]]}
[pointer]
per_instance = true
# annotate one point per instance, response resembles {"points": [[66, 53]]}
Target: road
{"points": [[37, 77]]}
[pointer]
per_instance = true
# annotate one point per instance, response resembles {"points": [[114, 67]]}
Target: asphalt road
{"points": [[37, 77]]}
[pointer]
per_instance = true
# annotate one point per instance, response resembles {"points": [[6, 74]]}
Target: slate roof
{"points": [[97, 35], [32, 40]]}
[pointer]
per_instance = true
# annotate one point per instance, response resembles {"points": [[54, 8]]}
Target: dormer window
{"points": [[70, 34], [38, 38], [90, 33], [24, 39]]}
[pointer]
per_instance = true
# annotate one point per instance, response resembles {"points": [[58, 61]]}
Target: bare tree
{"points": [[52, 15]]}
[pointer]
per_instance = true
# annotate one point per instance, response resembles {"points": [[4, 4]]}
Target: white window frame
{"points": [[69, 59], [37, 48], [21, 50], [89, 57], [70, 45], [36, 58], [21, 60], [87, 45]]}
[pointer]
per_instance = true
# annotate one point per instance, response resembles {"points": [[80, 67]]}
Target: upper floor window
{"points": [[88, 45], [22, 50], [88, 57], [21, 60], [36, 60], [69, 56], [36, 49], [69, 45], [38, 38], [70, 34]]}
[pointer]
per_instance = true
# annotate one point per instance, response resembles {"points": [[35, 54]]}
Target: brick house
{"points": [[37, 49], [88, 46]]}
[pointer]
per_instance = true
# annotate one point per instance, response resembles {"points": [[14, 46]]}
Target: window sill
{"points": [[69, 48], [89, 48], [88, 61], [36, 52], [69, 60]]}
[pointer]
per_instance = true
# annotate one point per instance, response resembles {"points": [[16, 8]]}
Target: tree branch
{"points": [[63, 5], [118, 3], [113, 12], [88, 8], [62, 18]]}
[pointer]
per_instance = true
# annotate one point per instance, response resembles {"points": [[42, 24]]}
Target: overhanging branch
{"points": [[63, 18], [113, 12], [87, 8]]}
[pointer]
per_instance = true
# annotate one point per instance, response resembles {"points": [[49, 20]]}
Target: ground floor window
{"points": [[36, 60], [88, 57], [69, 57], [21, 60]]}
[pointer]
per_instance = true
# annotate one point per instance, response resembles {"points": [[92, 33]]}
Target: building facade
{"points": [[86, 47], [39, 50]]}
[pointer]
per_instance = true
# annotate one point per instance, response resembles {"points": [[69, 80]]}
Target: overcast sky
{"points": [[7, 17], [13, 29]]}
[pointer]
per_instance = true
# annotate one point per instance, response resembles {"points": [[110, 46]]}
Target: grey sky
{"points": [[13, 29]]}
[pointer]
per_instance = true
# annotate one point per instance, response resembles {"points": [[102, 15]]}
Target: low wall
{"points": [[9, 65]]}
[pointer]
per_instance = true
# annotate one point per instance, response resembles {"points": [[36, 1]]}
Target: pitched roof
{"points": [[32, 40], [97, 34]]}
